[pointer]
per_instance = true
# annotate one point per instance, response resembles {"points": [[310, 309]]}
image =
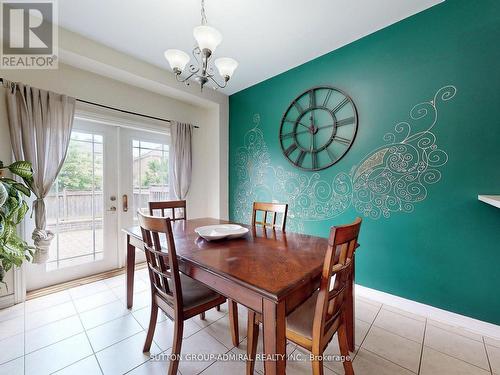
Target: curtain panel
{"points": [[40, 124], [180, 159]]}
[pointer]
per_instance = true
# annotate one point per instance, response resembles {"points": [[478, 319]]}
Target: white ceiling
{"points": [[267, 37]]}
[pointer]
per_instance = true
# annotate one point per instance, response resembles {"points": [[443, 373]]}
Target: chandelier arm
{"points": [[196, 52], [182, 80], [217, 83]]}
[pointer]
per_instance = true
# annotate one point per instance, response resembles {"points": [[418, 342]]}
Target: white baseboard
{"points": [[443, 316], [6, 301]]}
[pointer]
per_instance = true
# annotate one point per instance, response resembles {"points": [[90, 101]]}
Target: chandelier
{"points": [[207, 39]]}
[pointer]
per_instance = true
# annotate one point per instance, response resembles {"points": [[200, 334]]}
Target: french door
{"points": [[108, 174], [143, 177]]}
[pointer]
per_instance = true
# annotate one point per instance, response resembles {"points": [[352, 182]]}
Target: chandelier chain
{"points": [[203, 15]]}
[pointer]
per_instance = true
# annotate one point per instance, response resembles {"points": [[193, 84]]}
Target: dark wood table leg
{"points": [[350, 311], [273, 320], [233, 322], [130, 272]]}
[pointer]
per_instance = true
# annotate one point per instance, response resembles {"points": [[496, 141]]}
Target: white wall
{"points": [[96, 73]]}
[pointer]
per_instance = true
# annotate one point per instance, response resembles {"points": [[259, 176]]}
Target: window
{"points": [[150, 173], [75, 204]]}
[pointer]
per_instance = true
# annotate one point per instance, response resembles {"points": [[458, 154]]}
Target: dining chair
{"points": [[313, 323], [169, 205], [176, 294], [172, 205], [273, 209]]}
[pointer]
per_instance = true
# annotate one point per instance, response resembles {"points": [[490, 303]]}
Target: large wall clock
{"points": [[318, 128]]}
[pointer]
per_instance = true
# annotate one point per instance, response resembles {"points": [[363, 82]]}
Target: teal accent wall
{"points": [[446, 251]]}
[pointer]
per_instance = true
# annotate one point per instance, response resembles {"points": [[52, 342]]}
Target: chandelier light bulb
{"points": [[177, 59]]}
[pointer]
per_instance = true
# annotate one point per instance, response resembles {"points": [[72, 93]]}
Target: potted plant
{"points": [[13, 208]]}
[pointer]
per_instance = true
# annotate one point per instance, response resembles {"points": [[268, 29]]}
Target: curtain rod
{"points": [[123, 110]]}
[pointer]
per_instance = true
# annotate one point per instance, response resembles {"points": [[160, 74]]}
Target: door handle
{"points": [[125, 202]]}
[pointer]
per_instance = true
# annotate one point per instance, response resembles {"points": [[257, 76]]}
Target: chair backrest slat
{"points": [[161, 258], [337, 267], [171, 207], [273, 209]]}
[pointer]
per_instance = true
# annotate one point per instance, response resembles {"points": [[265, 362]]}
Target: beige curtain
{"points": [[40, 125], [180, 159]]}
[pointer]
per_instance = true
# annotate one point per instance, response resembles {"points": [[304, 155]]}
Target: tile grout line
{"points": [[397, 334], [378, 355], [77, 314], [403, 315], [487, 355], [455, 332], [78, 333], [68, 337], [214, 362], [388, 360], [87, 336], [366, 335], [456, 358], [216, 339], [423, 345], [71, 364], [66, 317], [422, 348], [453, 356], [72, 299], [369, 328]]}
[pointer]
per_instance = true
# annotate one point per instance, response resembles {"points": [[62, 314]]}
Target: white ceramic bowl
{"points": [[219, 231]]}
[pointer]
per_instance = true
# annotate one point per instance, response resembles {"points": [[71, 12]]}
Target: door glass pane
{"points": [[150, 173], [75, 204]]}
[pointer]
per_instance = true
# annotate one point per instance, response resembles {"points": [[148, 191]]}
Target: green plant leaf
{"points": [[22, 188], [13, 249], [4, 194], [9, 181], [22, 169], [14, 202], [7, 232], [21, 212]]}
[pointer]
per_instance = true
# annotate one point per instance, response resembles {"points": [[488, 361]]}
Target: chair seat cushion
{"points": [[300, 321], [195, 293]]}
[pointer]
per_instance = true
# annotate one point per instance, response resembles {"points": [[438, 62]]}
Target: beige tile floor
{"points": [[88, 330]]}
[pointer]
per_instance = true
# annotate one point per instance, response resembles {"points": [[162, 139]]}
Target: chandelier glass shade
{"points": [[207, 39]]}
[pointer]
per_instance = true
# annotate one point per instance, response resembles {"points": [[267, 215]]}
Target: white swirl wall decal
{"points": [[392, 178]]}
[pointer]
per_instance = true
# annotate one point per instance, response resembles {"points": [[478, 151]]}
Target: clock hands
{"points": [[298, 122], [314, 111]]}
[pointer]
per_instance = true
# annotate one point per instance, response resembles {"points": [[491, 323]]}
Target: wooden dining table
{"points": [[268, 271]]}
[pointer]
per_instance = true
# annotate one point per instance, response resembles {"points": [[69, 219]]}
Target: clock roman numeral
{"points": [[300, 158], [287, 135], [328, 94], [314, 157], [346, 121], [340, 105], [342, 140], [298, 106], [312, 99], [290, 149], [330, 154]]}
